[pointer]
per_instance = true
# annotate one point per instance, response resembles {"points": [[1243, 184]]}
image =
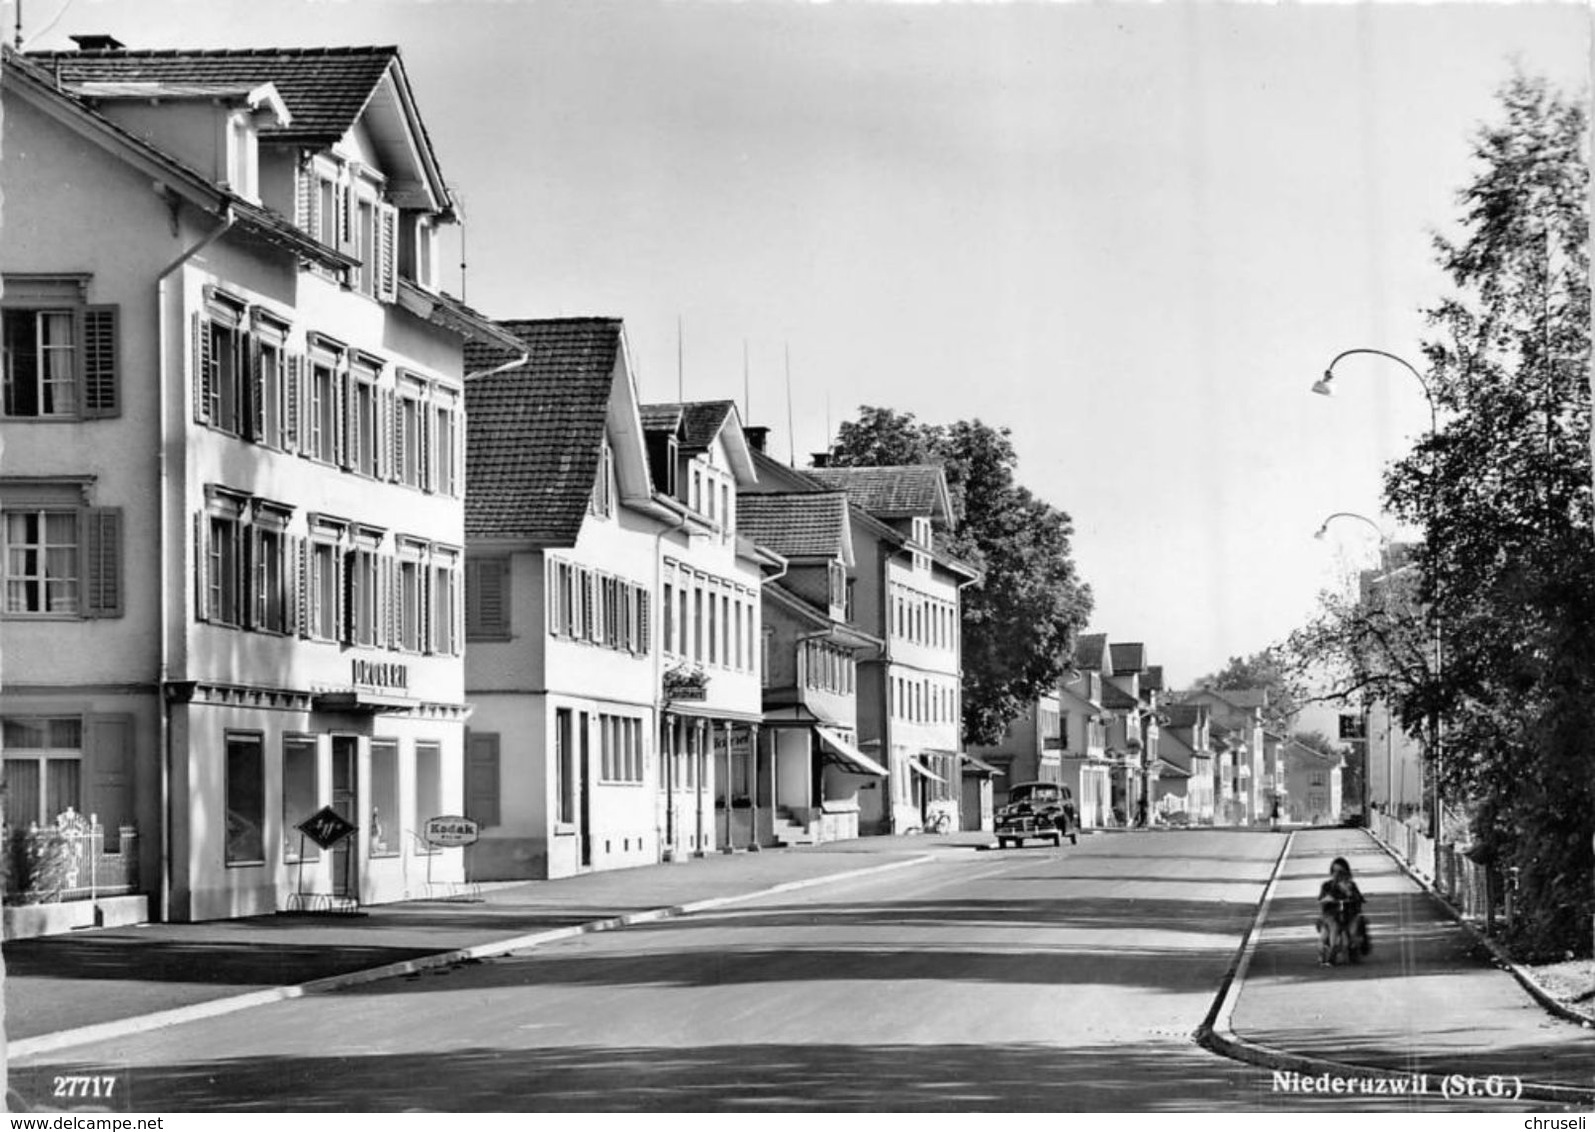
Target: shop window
{"points": [[384, 829], [299, 796], [246, 799]]}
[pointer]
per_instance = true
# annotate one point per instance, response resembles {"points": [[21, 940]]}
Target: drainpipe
{"points": [[228, 219]]}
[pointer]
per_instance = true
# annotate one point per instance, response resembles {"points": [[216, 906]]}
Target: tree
{"points": [[1020, 618], [1502, 493], [1268, 671]]}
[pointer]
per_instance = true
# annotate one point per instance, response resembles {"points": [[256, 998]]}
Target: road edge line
{"points": [[1216, 1035], [20, 1048]]}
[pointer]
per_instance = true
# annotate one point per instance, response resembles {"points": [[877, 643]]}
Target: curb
{"points": [[1217, 1036], [1521, 974], [143, 1023]]}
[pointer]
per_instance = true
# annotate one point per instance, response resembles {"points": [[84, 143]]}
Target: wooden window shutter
{"points": [[108, 742], [457, 615], [486, 607], [256, 596], [387, 245], [308, 201], [292, 583], [201, 567], [342, 399], [642, 621], [202, 370], [306, 605], [100, 328], [103, 573], [292, 399], [254, 359], [482, 778]]}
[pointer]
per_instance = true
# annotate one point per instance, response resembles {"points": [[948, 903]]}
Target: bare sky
{"points": [[1133, 234]]}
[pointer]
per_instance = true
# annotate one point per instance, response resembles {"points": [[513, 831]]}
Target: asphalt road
{"points": [[1049, 979]]}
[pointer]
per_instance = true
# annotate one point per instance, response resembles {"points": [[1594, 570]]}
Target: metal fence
{"points": [[1476, 891]]}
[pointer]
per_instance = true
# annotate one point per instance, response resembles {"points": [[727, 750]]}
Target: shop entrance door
{"points": [[346, 801]]}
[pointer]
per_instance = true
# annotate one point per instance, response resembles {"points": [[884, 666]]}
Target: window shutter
{"points": [[108, 751], [257, 390], [343, 397], [395, 438], [201, 568], [423, 581], [456, 615], [103, 573], [485, 598], [291, 584], [341, 628], [395, 600], [642, 622], [302, 568], [202, 373], [99, 361], [482, 778], [387, 242], [423, 417], [256, 594], [306, 201], [291, 400]]}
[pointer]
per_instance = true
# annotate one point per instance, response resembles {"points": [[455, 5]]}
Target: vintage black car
{"points": [[1038, 810]]}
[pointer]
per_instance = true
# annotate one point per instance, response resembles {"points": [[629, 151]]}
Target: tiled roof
{"points": [[806, 525], [1185, 715], [660, 418], [889, 493], [1116, 698], [533, 432], [699, 421], [1241, 697], [325, 88], [1127, 658], [1088, 650]]}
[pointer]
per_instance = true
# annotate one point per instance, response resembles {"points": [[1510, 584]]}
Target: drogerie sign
{"points": [[380, 674]]}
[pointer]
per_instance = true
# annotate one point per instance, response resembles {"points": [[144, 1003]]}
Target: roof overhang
{"points": [[920, 768], [361, 700], [450, 314]]}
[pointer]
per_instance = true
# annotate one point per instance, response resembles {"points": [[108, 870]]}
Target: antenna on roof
{"points": [[827, 444], [681, 380], [747, 411], [18, 43], [791, 445]]}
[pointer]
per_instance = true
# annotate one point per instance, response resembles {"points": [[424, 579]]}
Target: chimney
{"points": [[97, 42], [756, 436], [820, 460]]}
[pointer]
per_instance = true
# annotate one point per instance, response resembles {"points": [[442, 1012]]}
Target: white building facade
{"points": [[254, 427]]}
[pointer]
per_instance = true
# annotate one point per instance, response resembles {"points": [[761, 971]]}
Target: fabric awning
{"points": [[920, 768], [849, 755], [981, 764]]}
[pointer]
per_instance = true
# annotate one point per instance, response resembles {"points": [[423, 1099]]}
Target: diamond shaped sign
{"points": [[326, 827]]}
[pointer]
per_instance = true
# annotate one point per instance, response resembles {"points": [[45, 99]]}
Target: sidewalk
{"points": [[90, 978], [1427, 1000]]}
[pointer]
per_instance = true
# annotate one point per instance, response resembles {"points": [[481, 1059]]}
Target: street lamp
{"points": [[1325, 387]]}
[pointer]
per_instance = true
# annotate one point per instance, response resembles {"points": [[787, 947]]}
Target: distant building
{"points": [[814, 771]]}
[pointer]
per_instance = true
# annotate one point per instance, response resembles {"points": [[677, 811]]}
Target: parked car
{"points": [[1038, 811]]}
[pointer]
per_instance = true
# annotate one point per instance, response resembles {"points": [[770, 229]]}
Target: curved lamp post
{"points": [[1325, 387]]}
